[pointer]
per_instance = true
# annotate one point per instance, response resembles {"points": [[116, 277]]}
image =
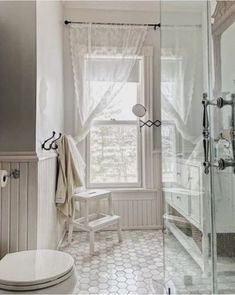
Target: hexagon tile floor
{"points": [[134, 266]]}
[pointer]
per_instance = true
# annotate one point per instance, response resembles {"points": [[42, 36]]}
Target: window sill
{"points": [[127, 190]]}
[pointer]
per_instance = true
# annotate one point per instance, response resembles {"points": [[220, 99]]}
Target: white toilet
{"points": [[37, 272]]}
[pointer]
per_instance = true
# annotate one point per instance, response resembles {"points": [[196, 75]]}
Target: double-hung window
{"points": [[114, 143]]}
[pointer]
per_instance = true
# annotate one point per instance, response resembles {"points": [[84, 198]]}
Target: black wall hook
{"points": [[44, 143], [54, 142]]}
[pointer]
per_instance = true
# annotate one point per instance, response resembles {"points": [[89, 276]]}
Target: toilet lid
{"points": [[33, 267], [38, 286]]}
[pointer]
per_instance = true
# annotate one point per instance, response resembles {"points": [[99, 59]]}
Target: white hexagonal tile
{"points": [[121, 279], [84, 286], [135, 259], [120, 268], [84, 280], [93, 290], [113, 289], [132, 288], [102, 280], [122, 285], [142, 291], [122, 291], [86, 269], [94, 283], [103, 286], [112, 282], [131, 281], [147, 275]]}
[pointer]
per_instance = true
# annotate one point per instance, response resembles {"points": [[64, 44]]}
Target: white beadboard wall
{"points": [[50, 224], [139, 209], [28, 215], [18, 208]]}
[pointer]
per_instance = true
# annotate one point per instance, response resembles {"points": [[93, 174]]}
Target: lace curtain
{"points": [[103, 57], [181, 83]]}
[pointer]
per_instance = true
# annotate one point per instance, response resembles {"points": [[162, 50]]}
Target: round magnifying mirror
{"points": [[139, 110]]}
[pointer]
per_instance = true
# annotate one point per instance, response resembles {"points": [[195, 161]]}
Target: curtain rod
{"points": [[67, 22], [181, 26]]}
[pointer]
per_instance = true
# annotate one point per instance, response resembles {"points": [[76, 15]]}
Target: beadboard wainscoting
{"points": [[51, 226], [28, 216], [138, 209], [18, 206]]}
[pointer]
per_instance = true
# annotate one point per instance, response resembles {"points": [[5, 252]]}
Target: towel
{"points": [[70, 174]]}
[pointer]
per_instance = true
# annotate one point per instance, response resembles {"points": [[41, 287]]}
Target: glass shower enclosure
{"points": [[198, 145]]}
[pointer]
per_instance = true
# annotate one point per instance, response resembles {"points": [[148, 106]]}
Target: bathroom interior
{"points": [[117, 147]]}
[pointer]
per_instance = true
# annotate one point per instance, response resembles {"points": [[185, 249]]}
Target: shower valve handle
{"points": [[206, 133]]}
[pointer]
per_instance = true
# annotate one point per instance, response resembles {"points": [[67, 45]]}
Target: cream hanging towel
{"points": [[70, 177]]}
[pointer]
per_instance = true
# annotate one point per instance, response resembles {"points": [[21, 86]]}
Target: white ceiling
{"points": [[136, 5]]}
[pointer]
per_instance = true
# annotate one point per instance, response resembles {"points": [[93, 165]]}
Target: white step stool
{"points": [[96, 221]]}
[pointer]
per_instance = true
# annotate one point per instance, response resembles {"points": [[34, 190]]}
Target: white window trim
{"points": [[147, 133], [146, 137]]}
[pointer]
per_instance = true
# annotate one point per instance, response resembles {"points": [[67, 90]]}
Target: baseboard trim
{"points": [[25, 156], [18, 157], [157, 227]]}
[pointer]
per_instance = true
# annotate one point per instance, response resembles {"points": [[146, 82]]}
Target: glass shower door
{"points": [[186, 189], [222, 123]]}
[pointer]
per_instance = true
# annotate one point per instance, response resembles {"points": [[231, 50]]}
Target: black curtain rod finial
{"points": [[67, 22]]}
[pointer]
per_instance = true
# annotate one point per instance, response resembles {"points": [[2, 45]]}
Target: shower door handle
{"points": [[223, 164], [220, 103], [206, 134]]}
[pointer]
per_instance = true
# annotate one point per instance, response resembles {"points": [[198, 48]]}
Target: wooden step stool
{"points": [[96, 221]]}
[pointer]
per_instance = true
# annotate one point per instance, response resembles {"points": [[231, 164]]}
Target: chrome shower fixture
{"points": [[220, 103]]}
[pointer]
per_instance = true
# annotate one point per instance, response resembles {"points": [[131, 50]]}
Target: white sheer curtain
{"points": [[103, 57], [181, 82]]}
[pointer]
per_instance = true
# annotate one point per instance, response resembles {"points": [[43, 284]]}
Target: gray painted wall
{"points": [[17, 76]]}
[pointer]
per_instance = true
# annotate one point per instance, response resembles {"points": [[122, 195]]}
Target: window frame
{"points": [[146, 146]]}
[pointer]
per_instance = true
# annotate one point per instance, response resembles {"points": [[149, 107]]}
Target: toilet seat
{"points": [[34, 269]]}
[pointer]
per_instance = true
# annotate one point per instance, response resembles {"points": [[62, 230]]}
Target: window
{"points": [[113, 145]]}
